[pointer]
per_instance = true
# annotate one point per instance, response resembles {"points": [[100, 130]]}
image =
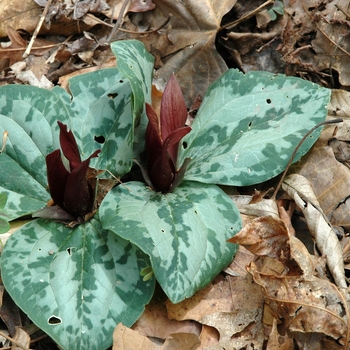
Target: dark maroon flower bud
{"points": [[69, 185], [163, 135]]}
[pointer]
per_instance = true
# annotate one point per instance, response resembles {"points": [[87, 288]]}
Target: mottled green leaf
{"points": [[75, 284], [249, 125], [4, 224], [183, 232], [136, 64], [99, 110], [102, 105]]}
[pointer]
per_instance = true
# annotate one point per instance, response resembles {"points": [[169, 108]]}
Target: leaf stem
{"points": [[325, 122]]}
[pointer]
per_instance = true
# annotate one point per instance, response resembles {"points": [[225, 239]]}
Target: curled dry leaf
{"points": [[126, 338], [306, 306], [265, 207], [232, 305], [265, 236], [326, 239], [330, 178]]}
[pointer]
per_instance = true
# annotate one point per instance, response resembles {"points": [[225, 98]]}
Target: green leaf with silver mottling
{"points": [[248, 126], [102, 105], [183, 232], [99, 110], [4, 218], [136, 63], [75, 284]]}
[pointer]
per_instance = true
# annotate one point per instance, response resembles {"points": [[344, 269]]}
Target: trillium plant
{"points": [[92, 255]]}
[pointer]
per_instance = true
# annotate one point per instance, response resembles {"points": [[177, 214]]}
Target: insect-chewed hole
{"points": [[112, 95], [100, 139], [268, 101], [70, 250], [121, 81], [54, 320], [184, 145], [250, 124]]}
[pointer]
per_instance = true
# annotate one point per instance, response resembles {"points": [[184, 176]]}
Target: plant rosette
{"points": [[176, 223]]}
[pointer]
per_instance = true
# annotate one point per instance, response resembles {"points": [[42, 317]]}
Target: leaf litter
{"points": [[282, 288]]}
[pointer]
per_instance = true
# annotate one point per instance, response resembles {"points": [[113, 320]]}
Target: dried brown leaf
{"points": [[18, 14], [126, 339], [278, 342], [21, 337], [328, 177], [155, 322], [306, 306], [186, 46], [326, 239], [232, 305], [265, 236]]}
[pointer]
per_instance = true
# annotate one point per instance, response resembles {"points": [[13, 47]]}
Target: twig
{"points": [[132, 31], [326, 122], [246, 16], [37, 29], [53, 55], [13, 341], [119, 21]]}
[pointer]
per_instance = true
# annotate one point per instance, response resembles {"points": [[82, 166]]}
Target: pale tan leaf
{"points": [[277, 341], [22, 338], [306, 306], [329, 178], [265, 236], [266, 207], [324, 234], [125, 338]]}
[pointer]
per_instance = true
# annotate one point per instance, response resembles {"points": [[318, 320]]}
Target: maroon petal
{"points": [[162, 172], [172, 141], [78, 196], [173, 112], [69, 146], [57, 176], [153, 138]]}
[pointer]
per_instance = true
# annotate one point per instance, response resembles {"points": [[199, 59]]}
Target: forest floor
{"points": [[252, 304]]}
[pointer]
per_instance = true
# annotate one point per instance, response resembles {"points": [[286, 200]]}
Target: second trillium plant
{"points": [[76, 283]]}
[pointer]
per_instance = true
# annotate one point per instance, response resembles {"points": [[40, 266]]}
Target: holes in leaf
{"points": [[113, 95], [100, 139], [250, 124], [196, 212], [121, 81], [54, 320], [184, 145], [70, 251], [268, 101]]}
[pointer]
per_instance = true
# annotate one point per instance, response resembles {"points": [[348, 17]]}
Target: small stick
{"points": [[246, 16], [119, 21], [4, 139], [326, 122], [37, 29]]}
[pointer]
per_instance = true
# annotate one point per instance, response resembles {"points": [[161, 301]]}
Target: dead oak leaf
{"points": [[187, 46], [312, 305], [18, 45]]}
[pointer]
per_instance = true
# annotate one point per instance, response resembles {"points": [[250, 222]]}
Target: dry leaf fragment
{"points": [[313, 305], [126, 339], [326, 239], [265, 236]]}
